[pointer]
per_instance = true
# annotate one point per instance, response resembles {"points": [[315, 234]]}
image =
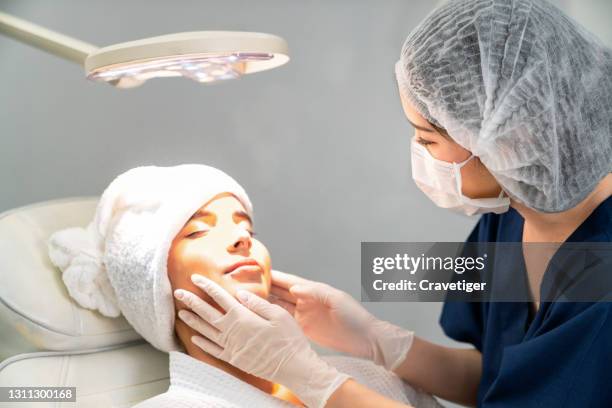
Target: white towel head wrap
{"points": [[118, 263]]}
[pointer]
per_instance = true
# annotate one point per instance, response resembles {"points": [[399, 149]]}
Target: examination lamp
{"points": [[204, 56]]}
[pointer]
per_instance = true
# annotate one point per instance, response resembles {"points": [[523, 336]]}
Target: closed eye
{"points": [[196, 234]]}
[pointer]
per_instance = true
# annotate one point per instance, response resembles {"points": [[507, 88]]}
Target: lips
{"points": [[245, 271]]}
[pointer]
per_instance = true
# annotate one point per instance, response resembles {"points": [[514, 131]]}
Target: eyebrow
{"points": [[420, 127], [200, 214], [204, 213], [243, 214]]}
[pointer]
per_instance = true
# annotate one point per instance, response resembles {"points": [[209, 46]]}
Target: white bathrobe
{"points": [[194, 384]]}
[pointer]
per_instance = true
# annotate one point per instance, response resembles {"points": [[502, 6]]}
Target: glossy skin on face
{"points": [[217, 242], [477, 181]]}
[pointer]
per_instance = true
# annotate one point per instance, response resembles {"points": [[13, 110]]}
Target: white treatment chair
{"points": [[46, 339]]}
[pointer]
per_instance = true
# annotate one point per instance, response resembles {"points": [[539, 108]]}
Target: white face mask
{"points": [[441, 182]]}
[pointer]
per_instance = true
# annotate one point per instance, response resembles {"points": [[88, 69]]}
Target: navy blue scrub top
{"points": [[559, 357]]}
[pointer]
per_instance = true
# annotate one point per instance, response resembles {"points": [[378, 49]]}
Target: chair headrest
{"points": [[36, 312]]}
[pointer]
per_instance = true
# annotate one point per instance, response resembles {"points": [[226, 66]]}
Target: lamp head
{"points": [[204, 56]]}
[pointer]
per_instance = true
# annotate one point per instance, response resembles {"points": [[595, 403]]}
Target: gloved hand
{"points": [[259, 338], [333, 319]]}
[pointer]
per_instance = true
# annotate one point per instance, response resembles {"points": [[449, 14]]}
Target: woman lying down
{"points": [[156, 227]]}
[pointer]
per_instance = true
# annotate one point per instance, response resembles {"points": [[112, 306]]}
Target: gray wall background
{"points": [[320, 144]]}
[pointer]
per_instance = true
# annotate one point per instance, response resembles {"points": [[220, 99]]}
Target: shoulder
{"points": [[381, 380]]}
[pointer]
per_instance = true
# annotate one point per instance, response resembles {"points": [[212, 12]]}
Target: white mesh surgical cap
{"points": [[118, 263], [523, 87]]}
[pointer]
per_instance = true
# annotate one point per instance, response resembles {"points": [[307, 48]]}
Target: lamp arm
{"points": [[45, 39]]}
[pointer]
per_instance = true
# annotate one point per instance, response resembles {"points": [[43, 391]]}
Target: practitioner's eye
{"points": [[424, 142], [253, 233]]}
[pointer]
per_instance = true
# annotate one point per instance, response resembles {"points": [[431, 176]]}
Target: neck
{"points": [[557, 227], [185, 332]]}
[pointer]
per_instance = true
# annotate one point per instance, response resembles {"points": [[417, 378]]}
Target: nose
{"points": [[240, 242]]}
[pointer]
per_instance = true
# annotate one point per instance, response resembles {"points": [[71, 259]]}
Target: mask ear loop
{"points": [[503, 194], [457, 171]]}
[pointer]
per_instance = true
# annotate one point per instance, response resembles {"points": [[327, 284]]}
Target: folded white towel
{"points": [[118, 263]]}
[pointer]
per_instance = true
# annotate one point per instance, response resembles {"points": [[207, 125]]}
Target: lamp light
{"points": [[203, 56]]}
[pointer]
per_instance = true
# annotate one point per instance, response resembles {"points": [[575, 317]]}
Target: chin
{"points": [[259, 289]]}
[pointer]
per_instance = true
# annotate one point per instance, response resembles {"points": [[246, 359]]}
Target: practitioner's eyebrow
{"points": [[420, 127]]}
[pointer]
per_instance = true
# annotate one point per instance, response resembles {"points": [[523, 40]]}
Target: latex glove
{"points": [[259, 338], [333, 319]]}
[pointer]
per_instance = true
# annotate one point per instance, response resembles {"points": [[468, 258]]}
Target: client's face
{"points": [[218, 242]]}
